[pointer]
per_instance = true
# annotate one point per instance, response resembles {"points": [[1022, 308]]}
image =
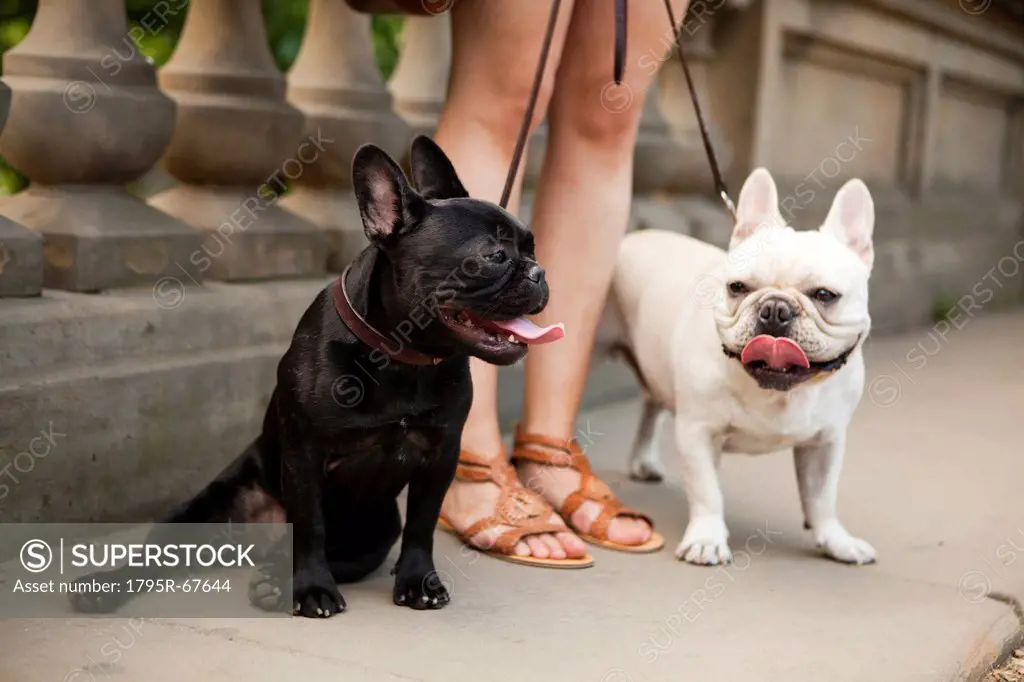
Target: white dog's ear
{"points": [[758, 206], [851, 220]]}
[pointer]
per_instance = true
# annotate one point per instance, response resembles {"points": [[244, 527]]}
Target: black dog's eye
{"points": [[498, 256], [738, 288], [824, 295]]}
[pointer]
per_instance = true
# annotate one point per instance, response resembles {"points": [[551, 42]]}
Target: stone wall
{"points": [[925, 102]]}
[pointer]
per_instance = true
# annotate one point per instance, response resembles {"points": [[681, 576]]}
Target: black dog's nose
{"points": [[535, 273], [775, 317]]}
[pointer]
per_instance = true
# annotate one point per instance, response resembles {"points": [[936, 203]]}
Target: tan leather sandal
{"points": [[570, 455], [523, 510]]}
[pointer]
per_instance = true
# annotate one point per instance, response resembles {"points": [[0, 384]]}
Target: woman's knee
{"points": [[599, 112]]}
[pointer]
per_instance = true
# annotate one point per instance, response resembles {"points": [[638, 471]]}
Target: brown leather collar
{"points": [[370, 336]]}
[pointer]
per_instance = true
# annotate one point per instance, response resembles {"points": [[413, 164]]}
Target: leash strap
{"points": [[621, 13], [720, 187], [618, 68]]}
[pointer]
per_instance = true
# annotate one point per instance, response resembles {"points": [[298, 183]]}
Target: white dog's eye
{"points": [[738, 288], [824, 295]]}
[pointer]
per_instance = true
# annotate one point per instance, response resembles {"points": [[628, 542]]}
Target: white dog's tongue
{"points": [[528, 332], [776, 352]]}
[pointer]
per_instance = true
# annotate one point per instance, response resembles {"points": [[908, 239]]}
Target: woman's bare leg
{"points": [[580, 215], [495, 51]]}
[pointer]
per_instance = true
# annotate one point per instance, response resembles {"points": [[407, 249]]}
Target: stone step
{"points": [[61, 329], [21, 260], [127, 440]]}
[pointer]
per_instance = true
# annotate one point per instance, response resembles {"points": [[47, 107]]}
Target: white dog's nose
{"points": [[775, 316]]}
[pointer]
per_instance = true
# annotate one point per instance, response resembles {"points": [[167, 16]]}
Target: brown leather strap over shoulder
{"points": [[568, 453]]}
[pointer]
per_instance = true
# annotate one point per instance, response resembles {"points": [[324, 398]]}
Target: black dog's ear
{"points": [[432, 172], [383, 194]]}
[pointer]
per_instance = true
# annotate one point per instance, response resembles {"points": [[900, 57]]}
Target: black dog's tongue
{"points": [[525, 331]]}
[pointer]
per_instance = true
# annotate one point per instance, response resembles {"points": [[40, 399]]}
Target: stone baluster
{"points": [[86, 118], [336, 83], [21, 250], [236, 146], [420, 80]]}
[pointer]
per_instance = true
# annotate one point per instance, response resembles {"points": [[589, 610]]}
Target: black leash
{"points": [[621, 14], [720, 187], [618, 69]]}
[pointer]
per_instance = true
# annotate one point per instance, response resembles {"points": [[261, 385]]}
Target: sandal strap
{"points": [[506, 541], [522, 510], [477, 468], [568, 453], [563, 453], [613, 510]]}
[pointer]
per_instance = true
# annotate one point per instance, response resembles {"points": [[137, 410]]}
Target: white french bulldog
{"points": [[790, 311]]}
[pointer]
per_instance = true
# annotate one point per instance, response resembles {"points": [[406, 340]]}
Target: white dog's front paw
{"points": [[837, 543], [705, 542]]}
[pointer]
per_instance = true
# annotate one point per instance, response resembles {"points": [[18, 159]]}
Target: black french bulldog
{"points": [[352, 421]]}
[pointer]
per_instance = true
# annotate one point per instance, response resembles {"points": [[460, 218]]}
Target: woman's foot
{"points": [[556, 483], [468, 502]]}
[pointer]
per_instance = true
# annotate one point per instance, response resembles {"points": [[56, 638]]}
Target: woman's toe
{"points": [[646, 532], [574, 547], [555, 550], [521, 549], [627, 531], [537, 547]]}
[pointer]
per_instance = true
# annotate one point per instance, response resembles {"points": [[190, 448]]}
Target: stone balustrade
{"points": [[259, 164], [258, 161], [86, 113], [86, 117]]}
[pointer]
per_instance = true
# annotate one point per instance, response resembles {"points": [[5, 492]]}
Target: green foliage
{"points": [[286, 24], [386, 29], [15, 20], [942, 306], [156, 34]]}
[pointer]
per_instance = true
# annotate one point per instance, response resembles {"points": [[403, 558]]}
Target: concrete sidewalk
{"points": [[934, 479]]}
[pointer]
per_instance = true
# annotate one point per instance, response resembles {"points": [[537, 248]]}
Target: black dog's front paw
{"points": [[315, 595], [418, 585]]}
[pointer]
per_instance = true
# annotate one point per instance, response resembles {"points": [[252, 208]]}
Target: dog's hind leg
{"points": [[237, 494], [644, 461]]}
